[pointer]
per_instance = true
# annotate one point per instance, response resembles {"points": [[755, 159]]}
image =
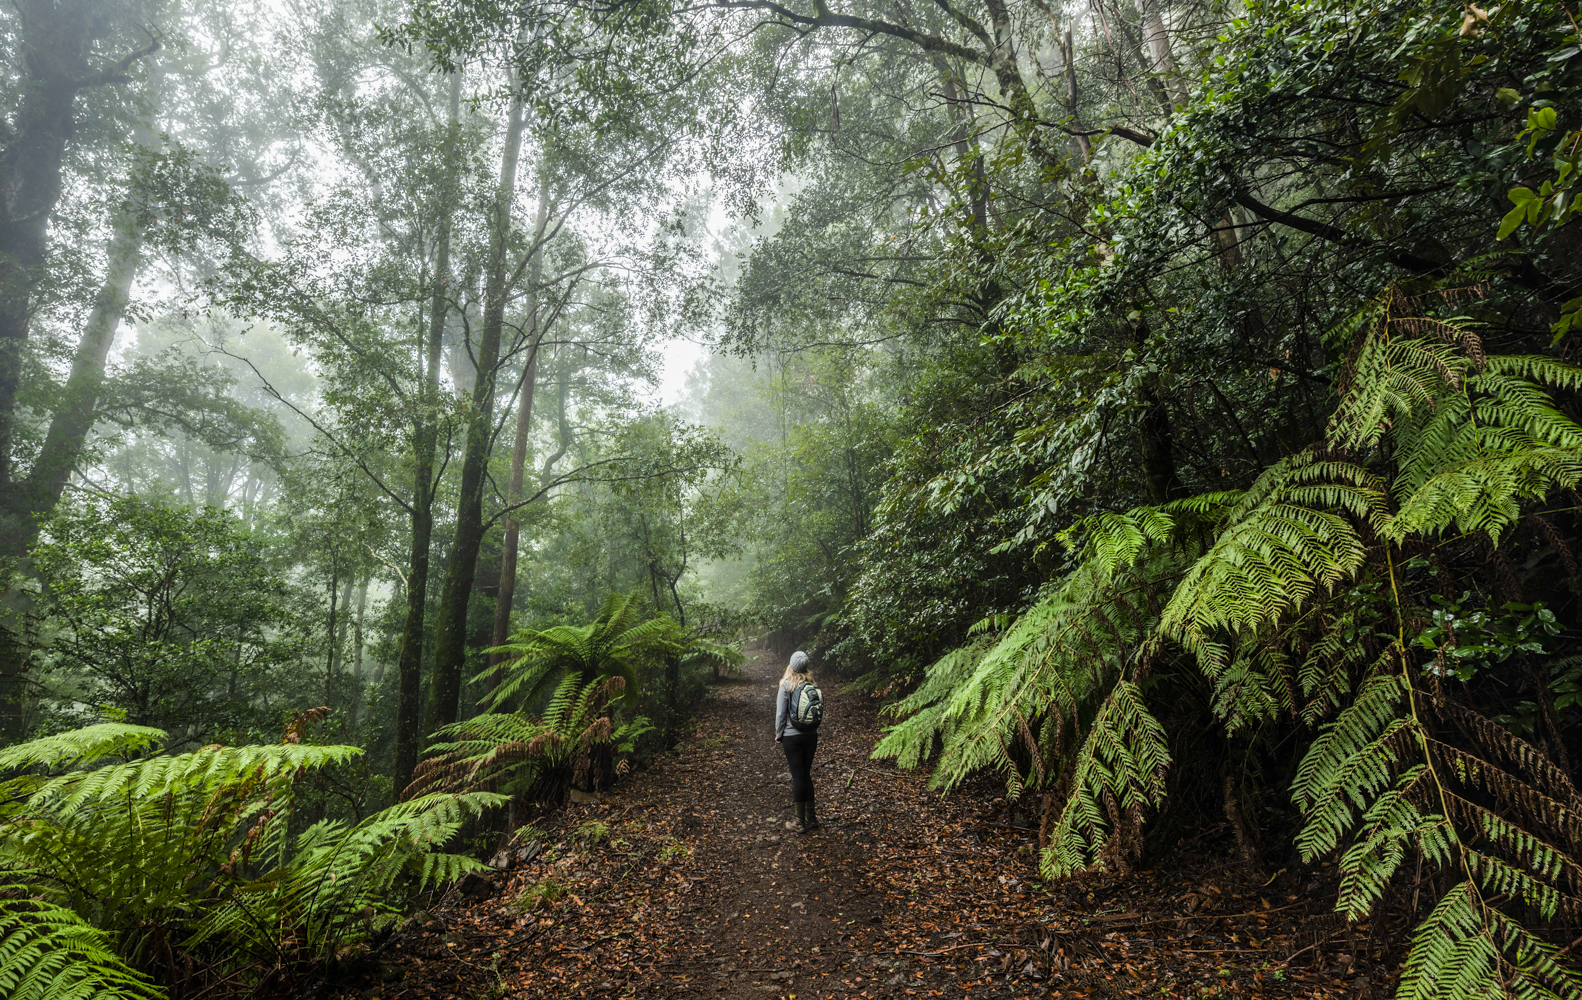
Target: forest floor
{"points": [[684, 882]]}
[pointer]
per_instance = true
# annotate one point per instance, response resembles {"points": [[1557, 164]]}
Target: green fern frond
{"points": [[81, 746], [1293, 533], [1484, 492], [1391, 824], [1125, 755], [1392, 379], [48, 952], [1349, 763], [1466, 948]]}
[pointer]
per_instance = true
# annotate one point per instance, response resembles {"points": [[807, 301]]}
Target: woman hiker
{"points": [[794, 732]]}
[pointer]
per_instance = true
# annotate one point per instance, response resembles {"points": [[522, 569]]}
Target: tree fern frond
{"points": [[1124, 755], [48, 952], [1391, 823], [1484, 492], [81, 746], [1355, 735], [1290, 535], [1391, 379], [1466, 948]]}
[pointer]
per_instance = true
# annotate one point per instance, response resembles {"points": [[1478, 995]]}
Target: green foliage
{"points": [[1235, 581], [166, 615], [48, 952], [539, 895], [193, 864]]}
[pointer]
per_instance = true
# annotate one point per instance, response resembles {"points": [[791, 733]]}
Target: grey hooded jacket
{"points": [[783, 725]]}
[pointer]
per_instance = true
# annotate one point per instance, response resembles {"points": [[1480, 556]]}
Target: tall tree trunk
{"points": [[1069, 61], [335, 602], [55, 38], [68, 430], [357, 652], [1161, 61], [425, 442], [506, 593], [54, 42], [562, 428], [1064, 74], [450, 631]]}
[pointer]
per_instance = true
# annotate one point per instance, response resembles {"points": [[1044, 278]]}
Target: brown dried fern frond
{"points": [[1497, 741]]}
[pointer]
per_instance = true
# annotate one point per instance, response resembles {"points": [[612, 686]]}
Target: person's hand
{"points": [[777, 739]]}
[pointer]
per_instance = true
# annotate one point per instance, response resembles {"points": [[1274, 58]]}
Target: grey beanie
{"points": [[799, 662]]}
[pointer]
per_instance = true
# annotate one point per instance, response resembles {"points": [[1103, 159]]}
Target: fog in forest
{"points": [[429, 427]]}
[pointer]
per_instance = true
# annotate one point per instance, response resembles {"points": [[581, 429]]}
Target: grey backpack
{"points": [[805, 707]]}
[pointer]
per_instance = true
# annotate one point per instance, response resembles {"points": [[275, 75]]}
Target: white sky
{"points": [[679, 357]]}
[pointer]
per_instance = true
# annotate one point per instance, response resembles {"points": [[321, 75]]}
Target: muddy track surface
{"points": [[684, 882]]}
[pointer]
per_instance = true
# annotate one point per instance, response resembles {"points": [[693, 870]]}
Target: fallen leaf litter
{"points": [[684, 882]]}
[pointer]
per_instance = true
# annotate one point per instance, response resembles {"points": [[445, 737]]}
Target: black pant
{"points": [[799, 749]]}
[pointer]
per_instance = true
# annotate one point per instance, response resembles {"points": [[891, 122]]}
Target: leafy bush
{"points": [[192, 865], [167, 616]]}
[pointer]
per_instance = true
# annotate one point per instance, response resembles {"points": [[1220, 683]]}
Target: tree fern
{"points": [[192, 859], [1288, 598], [616, 642], [537, 759]]}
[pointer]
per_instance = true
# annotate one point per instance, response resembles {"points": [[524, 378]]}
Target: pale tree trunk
{"points": [[562, 429], [1161, 61], [1069, 62], [967, 153], [450, 630], [1064, 75], [425, 442], [524, 421], [357, 652], [335, 604]]}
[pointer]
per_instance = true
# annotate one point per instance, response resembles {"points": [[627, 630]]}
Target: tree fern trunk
{"points": [[1155, 441]]}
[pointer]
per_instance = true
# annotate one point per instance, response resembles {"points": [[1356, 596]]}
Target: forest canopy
{"points": [[1167, 408]]}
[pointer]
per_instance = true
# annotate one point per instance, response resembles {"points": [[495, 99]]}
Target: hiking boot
{"points": [[800, 823], [812, 817]]}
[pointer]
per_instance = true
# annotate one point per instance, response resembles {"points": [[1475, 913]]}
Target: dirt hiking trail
{"points": [[684, 882]]}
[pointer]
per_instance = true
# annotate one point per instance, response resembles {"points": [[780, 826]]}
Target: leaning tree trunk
{"points": [[1161, 61], [450, 631], [425, 442], [56, 40]]}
